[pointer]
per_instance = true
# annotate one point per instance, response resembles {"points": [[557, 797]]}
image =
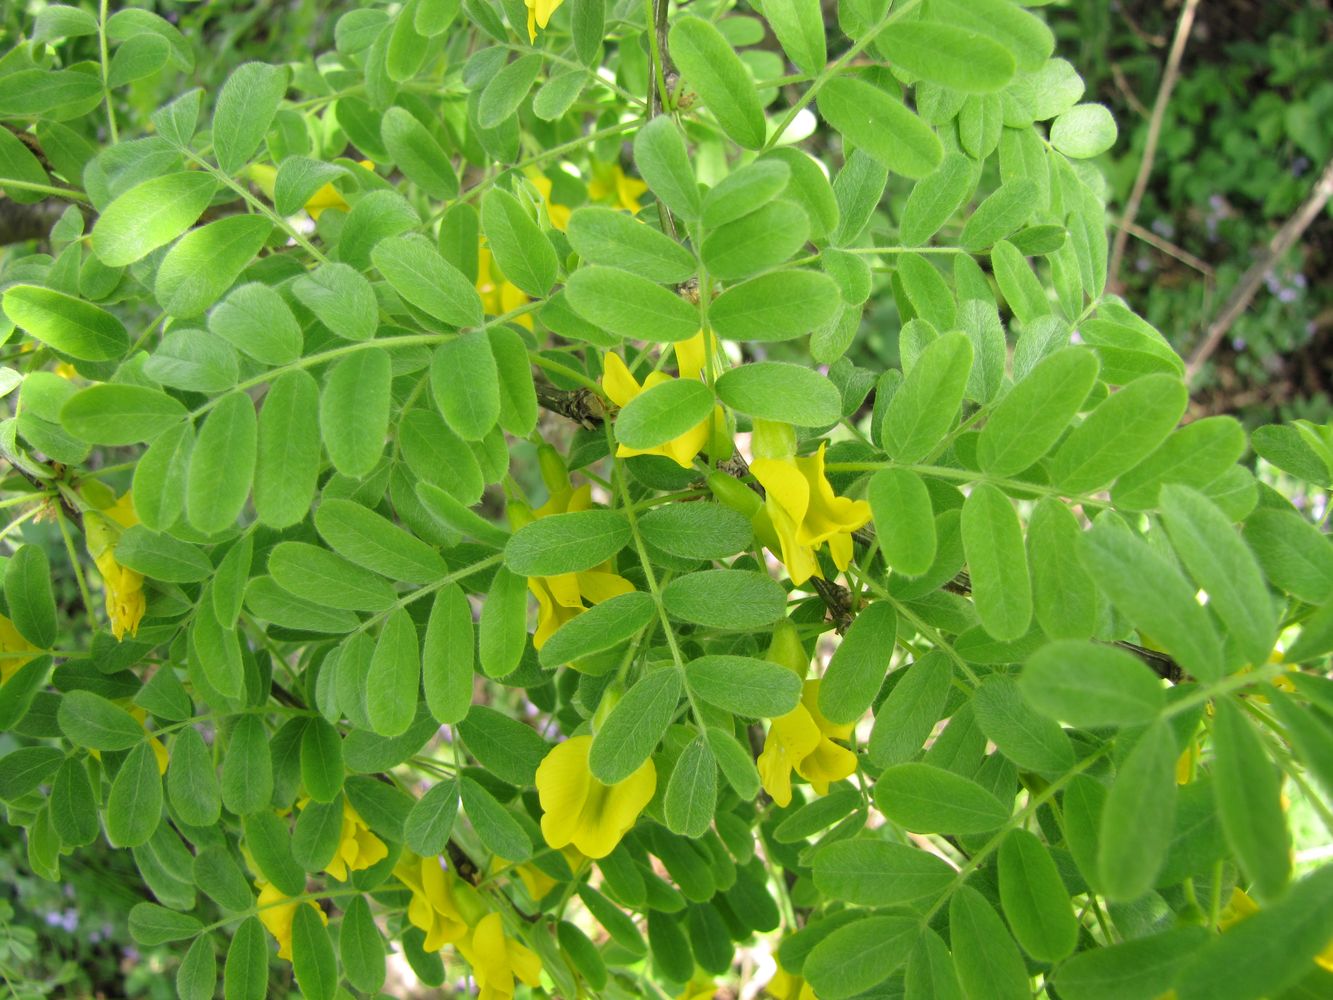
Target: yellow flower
{"points": [[785, 986], [536, 881], [14, 650], [498, 294], [434, 907], [610, 186], [557, 213], [539, 15], [621, 387], [806, 514], [562, 597], [278, 916], [497, 959], [125, 602], [358, 848], [578, 809]]}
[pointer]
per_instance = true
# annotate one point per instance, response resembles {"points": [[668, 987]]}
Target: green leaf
{"points": [[736, 762], [518, 393], [799, 27], [909, 714], [1131, 969], [150, 215], [1034, 898], [631, 731], [1003, 212], [222, 464], [859, 664], [988, 962], [664, 163], [94, 723], [354, 411], [710, 66], [947, 55], [725, 598], [1295, 556], [1195, 455], [312, 955], [1025, 35], [930, 971], [192, 780], [924, 408], [904, 520], [1265, 953], [207, 261], [1153, 594], [197, 977], [321, 760], [32, 606], [134, 807], [22, 770], [431, 820], [448, 654], [247, 768], [780, 305], [696, 530], [936, 198], [258, 322], [18, 693], [317, 833], [344, 301], [159, 477], [878, 873], [507, 748], [245, 109], [245, 975], [520, 247], [152, 925], [776, 390], [1138, 816], [1064, 595], [496, 829], [745, 190], [395, 675], [115, 414], [1089, 685], [880, 124], [502, 631], [757, 241], [66, 324], [1083, 131], [74, 805], [997, 562], [691, 793], [1122, 431], [417, 154], [566, 543], [615, 238], [361, 946], [859, 955], [288, 455], [1031, 741], [221, 879], [297, 180], [631, 306], [466, 384], [1293, 448], [418, 273], [376, 543], [602, 627], [929, 799], [506, 91], [1248, 788], [317, 575], [744, 685], [662, 413], [1028, 421]]}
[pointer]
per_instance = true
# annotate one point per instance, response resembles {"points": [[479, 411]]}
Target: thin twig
{"points": [[1249, 282], [1169, 77], [1166, 246]]}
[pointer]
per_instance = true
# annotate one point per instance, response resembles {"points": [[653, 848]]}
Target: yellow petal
{"points": [[690, 356], [611, 810], [562, 786], [828, 763], [599, 585], [620, 386]]}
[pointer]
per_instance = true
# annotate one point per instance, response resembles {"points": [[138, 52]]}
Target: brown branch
{"points": [[1169, 77], [1245, 289], [1166, 246]]}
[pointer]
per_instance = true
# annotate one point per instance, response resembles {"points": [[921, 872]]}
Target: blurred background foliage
{"points": [[1245, 138]]}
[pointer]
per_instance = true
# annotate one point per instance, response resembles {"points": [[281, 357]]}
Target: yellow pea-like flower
{"points": [[497, 960], [700, 987], [125, 603], [558, 214], [539, 15], [785, 986], [806, 514], [612, 186], [278, 916], [434, 908], [580, 810], [358, 848]]}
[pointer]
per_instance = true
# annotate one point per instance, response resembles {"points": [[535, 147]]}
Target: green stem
{"points": [[56, 192], [106, 63]]}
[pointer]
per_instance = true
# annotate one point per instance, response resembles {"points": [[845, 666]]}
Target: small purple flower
{"points": [[1163, 228], [1238, 343]]}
